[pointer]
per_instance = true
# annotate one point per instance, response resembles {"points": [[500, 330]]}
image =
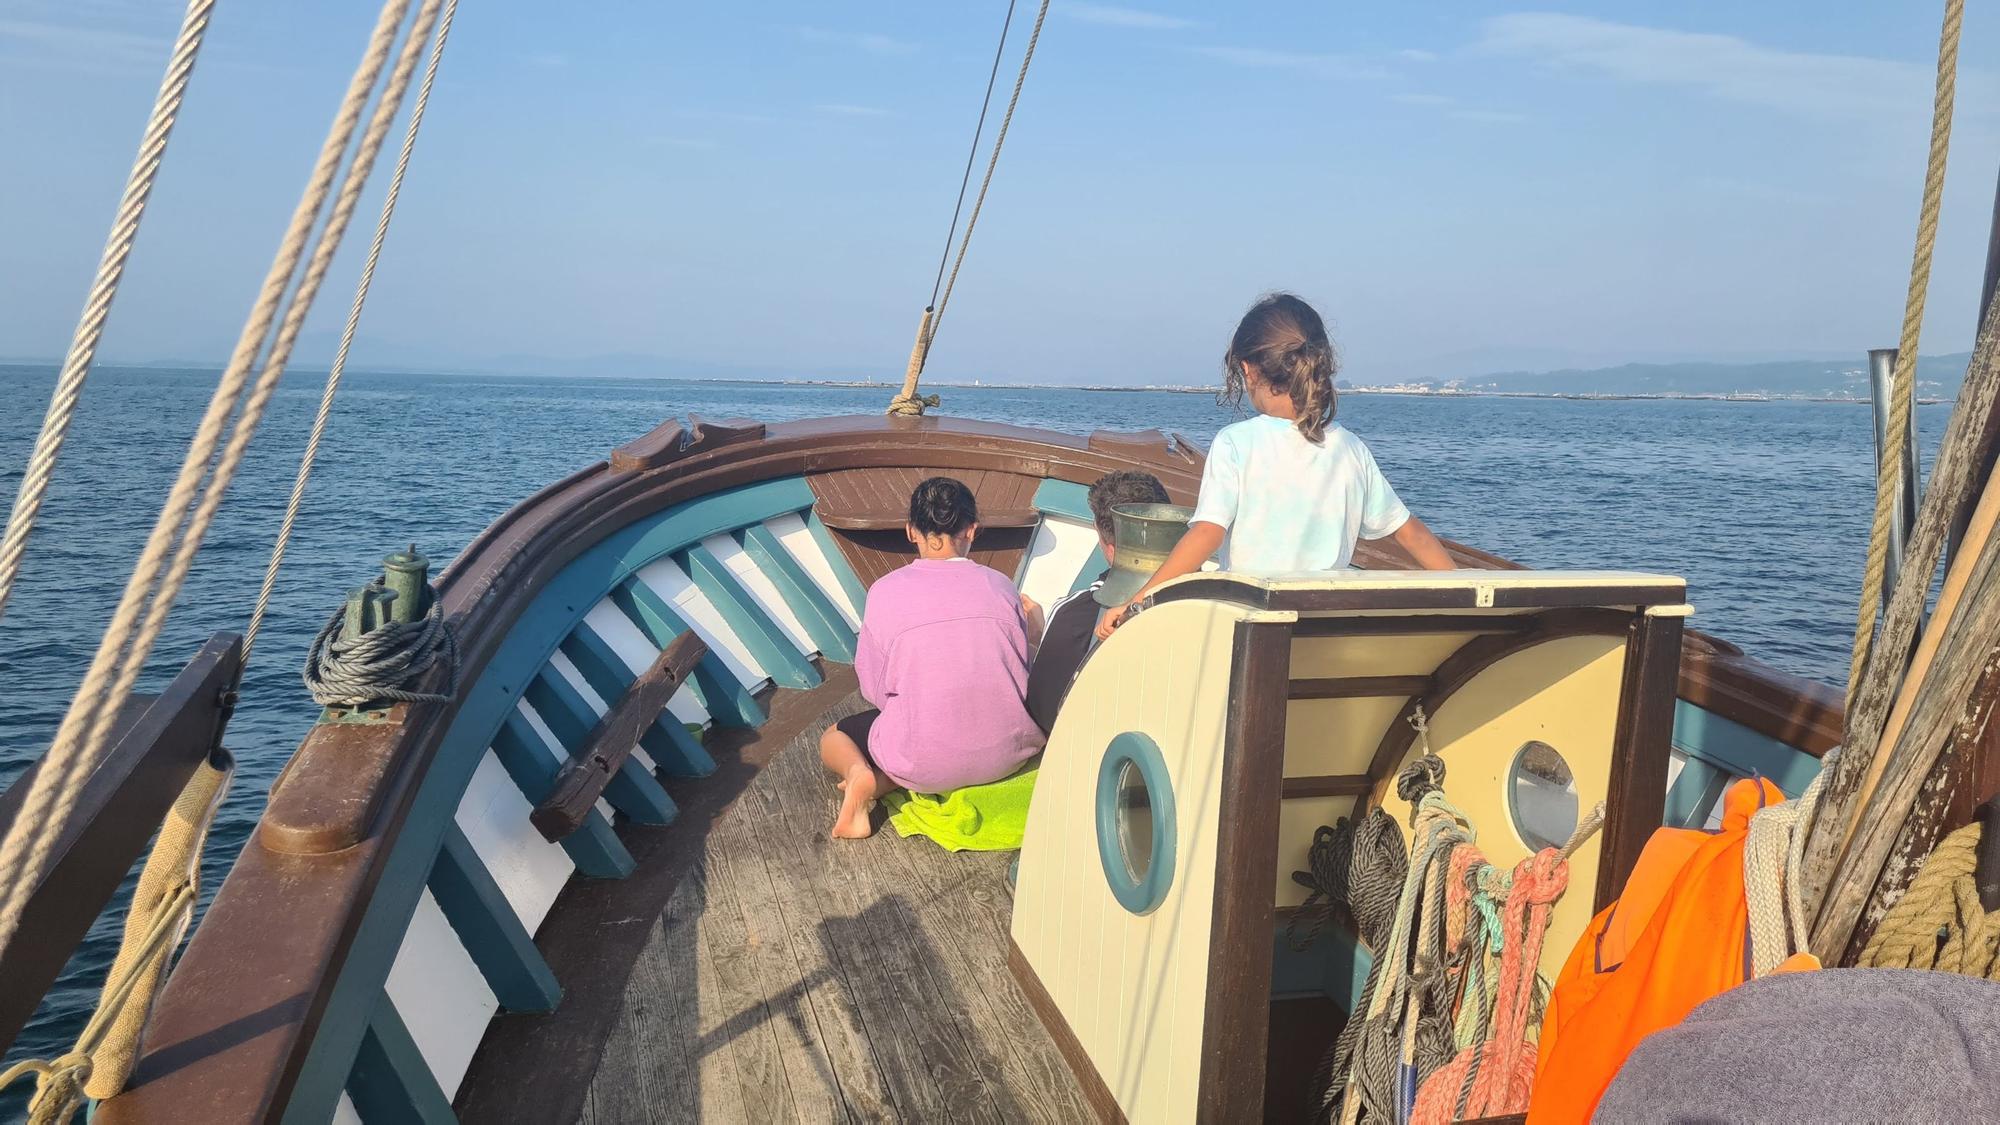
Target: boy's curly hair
{"points": [[1127, 486]]}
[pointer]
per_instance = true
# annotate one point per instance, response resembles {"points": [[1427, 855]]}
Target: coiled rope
{"points": [[908, 401], [350, 671], [103, 289], [1774, 875], [1939, 922], [1887, 484]]}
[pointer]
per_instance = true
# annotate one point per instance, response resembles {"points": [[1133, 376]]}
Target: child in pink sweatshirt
{"points": [[944, 659]]}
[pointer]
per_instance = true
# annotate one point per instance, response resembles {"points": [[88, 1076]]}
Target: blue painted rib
{"points": [[489, 929], [483, 706], [727, 699], [633, 790], [822, 619], [674, 748], [849, 581], [1695, 792], [390, 1081], [593, 847], [1741, 751], [767, 642]]}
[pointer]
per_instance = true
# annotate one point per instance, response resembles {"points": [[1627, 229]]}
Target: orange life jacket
{"points": [[1679, 934]]}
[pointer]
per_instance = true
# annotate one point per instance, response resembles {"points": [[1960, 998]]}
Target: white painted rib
{"points": [[638, 652], [344, 1112], [667, 580], [797, 538], [1060, 549], [567, 669], [529, 870], [761, 590], [439, 993]]}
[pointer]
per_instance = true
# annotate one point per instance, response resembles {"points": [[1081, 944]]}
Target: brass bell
{"points": [[1142, 535]]}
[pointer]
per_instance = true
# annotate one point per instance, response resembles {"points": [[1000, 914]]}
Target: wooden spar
{"points": [[159, 743], [583, 778], [1869, 800]]}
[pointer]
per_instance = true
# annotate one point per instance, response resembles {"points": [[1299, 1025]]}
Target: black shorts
{"points": [[856, 727]]}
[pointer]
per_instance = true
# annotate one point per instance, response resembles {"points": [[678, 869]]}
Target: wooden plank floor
{"points": [[795, 978]]}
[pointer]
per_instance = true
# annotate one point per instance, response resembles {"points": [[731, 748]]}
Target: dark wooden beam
{"points": [[894, 521], [159, 743], [1412, 625], [1360, 687], [1238, 1004], [583, 778], [1327, 785], [1640, 748]]}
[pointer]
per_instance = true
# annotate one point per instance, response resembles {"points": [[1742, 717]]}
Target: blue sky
{"points": [[763, 188]]}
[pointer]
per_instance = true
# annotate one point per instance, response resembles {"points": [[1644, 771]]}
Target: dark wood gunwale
{"points": [[156, 747], [235, 1022]]}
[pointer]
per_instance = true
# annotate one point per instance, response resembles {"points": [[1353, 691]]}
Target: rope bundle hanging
{"points": [[908, 401], [1444, 1026], [344, 669]]}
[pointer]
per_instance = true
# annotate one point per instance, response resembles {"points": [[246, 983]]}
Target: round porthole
{"points": [[1541, 796], [1135, 822]]}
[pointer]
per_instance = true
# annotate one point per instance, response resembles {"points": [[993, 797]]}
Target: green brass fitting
{"points": [[406, 574]]}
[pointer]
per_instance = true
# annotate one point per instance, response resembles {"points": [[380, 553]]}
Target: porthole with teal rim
{"points": [[1135, 822]]}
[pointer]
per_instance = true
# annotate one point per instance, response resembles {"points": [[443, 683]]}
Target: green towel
{"points": [[980, 818]]}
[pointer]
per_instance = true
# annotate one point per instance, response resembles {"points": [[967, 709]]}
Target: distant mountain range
{"points": [[1938, 376]]}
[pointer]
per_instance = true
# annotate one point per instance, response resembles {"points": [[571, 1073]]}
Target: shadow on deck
{"points": [[753, 970]]}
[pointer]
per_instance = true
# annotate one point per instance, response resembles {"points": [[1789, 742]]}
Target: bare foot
{"points": [[857, 800]]}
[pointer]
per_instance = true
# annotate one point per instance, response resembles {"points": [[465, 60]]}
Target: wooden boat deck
{"points": [[787, 976]]}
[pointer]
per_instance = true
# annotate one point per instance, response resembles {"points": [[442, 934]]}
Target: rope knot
{"points": [[1420, 778]]}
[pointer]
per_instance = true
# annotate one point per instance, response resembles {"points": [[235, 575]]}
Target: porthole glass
{"points": [[1541, 796], [1135, 822]]}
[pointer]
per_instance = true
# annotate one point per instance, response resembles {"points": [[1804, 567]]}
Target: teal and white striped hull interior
{"points": [[447, 941]]}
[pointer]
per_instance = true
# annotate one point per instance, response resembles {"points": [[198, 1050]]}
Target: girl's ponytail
{"points": [[1285, 340]]}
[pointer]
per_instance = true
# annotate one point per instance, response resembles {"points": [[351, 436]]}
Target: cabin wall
{"points": [[1562, 692], [1132, 987]]}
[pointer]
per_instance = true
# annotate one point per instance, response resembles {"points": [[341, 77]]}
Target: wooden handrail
{"points": [[583, 778], [159, 742]]}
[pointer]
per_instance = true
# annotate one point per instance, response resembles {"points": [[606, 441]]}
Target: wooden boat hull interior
{"points": [[428, 920]]}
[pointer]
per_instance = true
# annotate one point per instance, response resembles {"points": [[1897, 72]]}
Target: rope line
{"points": [[909, 402], [149, 593], [1887, 485], [972, 153], [103, 289], [349, 671], [333, 374], [1939, 922]]}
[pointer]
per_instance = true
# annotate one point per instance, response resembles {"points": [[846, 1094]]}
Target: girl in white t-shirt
{"points": [[1290, 489]]}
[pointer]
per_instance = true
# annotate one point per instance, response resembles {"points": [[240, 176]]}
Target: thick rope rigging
{"points": [[334, 373], [156, 578], [971, 155], [1887, 484], [349, 671], [97, 306], [1939, 922], [908, 401]]}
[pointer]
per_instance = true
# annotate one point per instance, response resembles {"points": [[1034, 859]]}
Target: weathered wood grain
{"points": [[604, 751]]}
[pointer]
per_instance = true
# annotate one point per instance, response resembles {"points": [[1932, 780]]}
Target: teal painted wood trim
{"points": [[1741, 751], [482, 708], [1097, 564], [727, 700], [674, 749], [1064, 498], [1335, 964], [1694, 794], [787, 666], [593, 847], [633, 790], [849, 581], [489, 929], [816, 611], [390, 1080]]}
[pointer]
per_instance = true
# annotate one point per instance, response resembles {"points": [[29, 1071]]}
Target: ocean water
{"points": [[1762, 506]]}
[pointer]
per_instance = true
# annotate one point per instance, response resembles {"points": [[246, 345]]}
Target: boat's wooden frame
{"points": [[264, 1021]]}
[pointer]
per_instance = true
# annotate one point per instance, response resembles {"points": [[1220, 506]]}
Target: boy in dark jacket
{"points": [[1070, 635]]}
